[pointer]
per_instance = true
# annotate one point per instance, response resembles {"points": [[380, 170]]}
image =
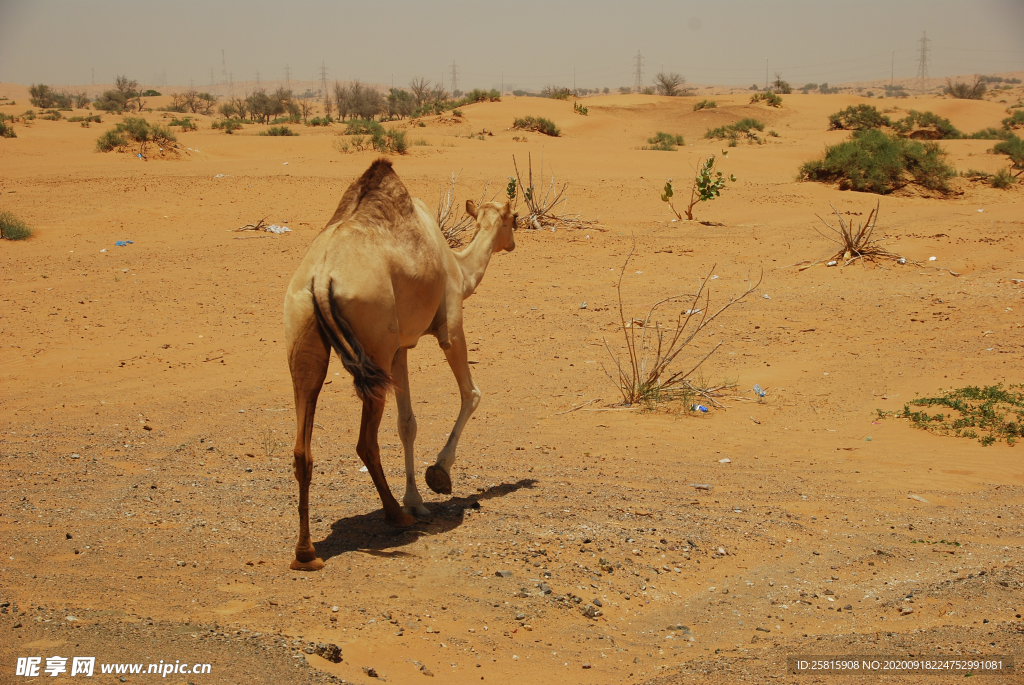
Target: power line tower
{"points": [[223, 67], [638, 65], [287, 77], [455, 78], [323, 79], [922, 58]]}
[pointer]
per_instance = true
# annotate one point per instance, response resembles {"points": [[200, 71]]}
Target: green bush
{"points": [[1014, 120], [51, 115], [1012, 147], [150, 93], [876, 162], [768, 97], [321, 121], [135, 129], [663, 141], [13, 228], [556, 92], [278, 131], [857, 118], [110, 140], [229, 126], [185, 123], [456, 112], [732, 132], [390, 140], [362, 127], [1002, 179], [539, 124], [925, 126], [704, 104], [91, 118], [990, 134], [965, 91], [6, 130]]}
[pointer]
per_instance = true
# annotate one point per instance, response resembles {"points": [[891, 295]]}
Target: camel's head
{"points": [[496, 220]]}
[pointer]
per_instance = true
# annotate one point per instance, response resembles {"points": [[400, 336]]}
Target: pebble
{"points": [[918, 498], [586, 664], [727, 460], [503, 574], [701, 486]]}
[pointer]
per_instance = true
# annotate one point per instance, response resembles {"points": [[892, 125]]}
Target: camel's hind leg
{"points": [[412, 502], [439, 475], [369, 451], [308, 357]]}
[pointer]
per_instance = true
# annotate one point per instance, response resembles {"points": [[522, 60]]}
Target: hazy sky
{"points": [[534, 42]]}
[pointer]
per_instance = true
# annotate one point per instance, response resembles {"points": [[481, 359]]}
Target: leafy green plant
{"points": [[185, 123], [6, 130], [111, 140], [663, 141], [13, 228], [362, 127], [925, 126], [137, 130], [1002, 179], [538, 124], [991, 134], [150, 93], [390, 140], [732, 132], [229, 126], [767, 97], [320, 121], [278, 131], [580, 109], [857, 118], [91, 118], [556, 93], [1012, 147], [707, 185], [972, 409], [456, 112], [875, 162], [1015, 120], [704, 104]]}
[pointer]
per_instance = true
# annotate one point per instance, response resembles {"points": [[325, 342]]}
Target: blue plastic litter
{"points": [[699, 407], [123, 243], [758, 391]]}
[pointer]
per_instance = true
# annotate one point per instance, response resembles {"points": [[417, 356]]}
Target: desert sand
{"points": [[149, 507]]}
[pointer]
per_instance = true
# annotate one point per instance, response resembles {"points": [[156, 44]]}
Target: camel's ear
{"points": [[471, 208]]}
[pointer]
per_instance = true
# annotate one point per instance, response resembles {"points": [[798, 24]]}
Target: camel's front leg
{"points": [[439, 475], [412, 502]]}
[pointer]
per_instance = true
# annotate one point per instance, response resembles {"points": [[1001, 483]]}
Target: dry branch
{"points": [[542, 208], [856, 244], [447, 210]]}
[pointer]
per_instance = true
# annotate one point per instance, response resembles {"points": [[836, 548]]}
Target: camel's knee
{"points": [[302, 466], [472, 398]]}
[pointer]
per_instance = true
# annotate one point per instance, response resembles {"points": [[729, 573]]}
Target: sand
{"points": [[147, 420]]}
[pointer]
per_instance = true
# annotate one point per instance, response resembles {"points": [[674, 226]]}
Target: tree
{"points": [[306, 108], [401, 103], [965, 91], [781, 87], [670, 84], [420, 88]]}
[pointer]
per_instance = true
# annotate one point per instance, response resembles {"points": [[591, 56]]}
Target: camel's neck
{"points": [[473, 261]]}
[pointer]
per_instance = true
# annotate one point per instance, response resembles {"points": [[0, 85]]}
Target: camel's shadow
{"points": [[369, 533]]}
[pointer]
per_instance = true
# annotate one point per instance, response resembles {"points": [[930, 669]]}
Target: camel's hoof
{"points": [[438, 480], [400, 520], [416, 510], [315, 565]]}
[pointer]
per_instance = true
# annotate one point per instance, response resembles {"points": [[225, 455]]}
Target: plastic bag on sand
{"points": [[274, 228]]}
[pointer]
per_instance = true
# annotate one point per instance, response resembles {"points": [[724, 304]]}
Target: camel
{"points": [[373, 282]]}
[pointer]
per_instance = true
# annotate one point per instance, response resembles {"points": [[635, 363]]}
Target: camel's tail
{"points": [[370, 380]]}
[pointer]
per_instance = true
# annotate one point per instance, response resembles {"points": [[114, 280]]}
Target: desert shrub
{"points": [[707, 185], [456, 112], [857, 118], [925, 126], [421, 142], [185, 123], [1015, 120], [808, 87], [704, 104], [895, 91], [320, 121], [13, 228], [965, 91], [111, 140], [995, 410], [733, 132], [1012, 147], [361, 127], [782, 87], [91, 118], [6, 130], [278, 131], [390, 140], [875, 162], [229, 126], [580, 109], [1002, 179], [45, 97], [975, 175], [290, 119], [990, 134], [51, 115], [150, 93], [663, 141], [768, 97], [824, 89], [556, 93], [625, 90], [111, 101], [539, 124]]}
